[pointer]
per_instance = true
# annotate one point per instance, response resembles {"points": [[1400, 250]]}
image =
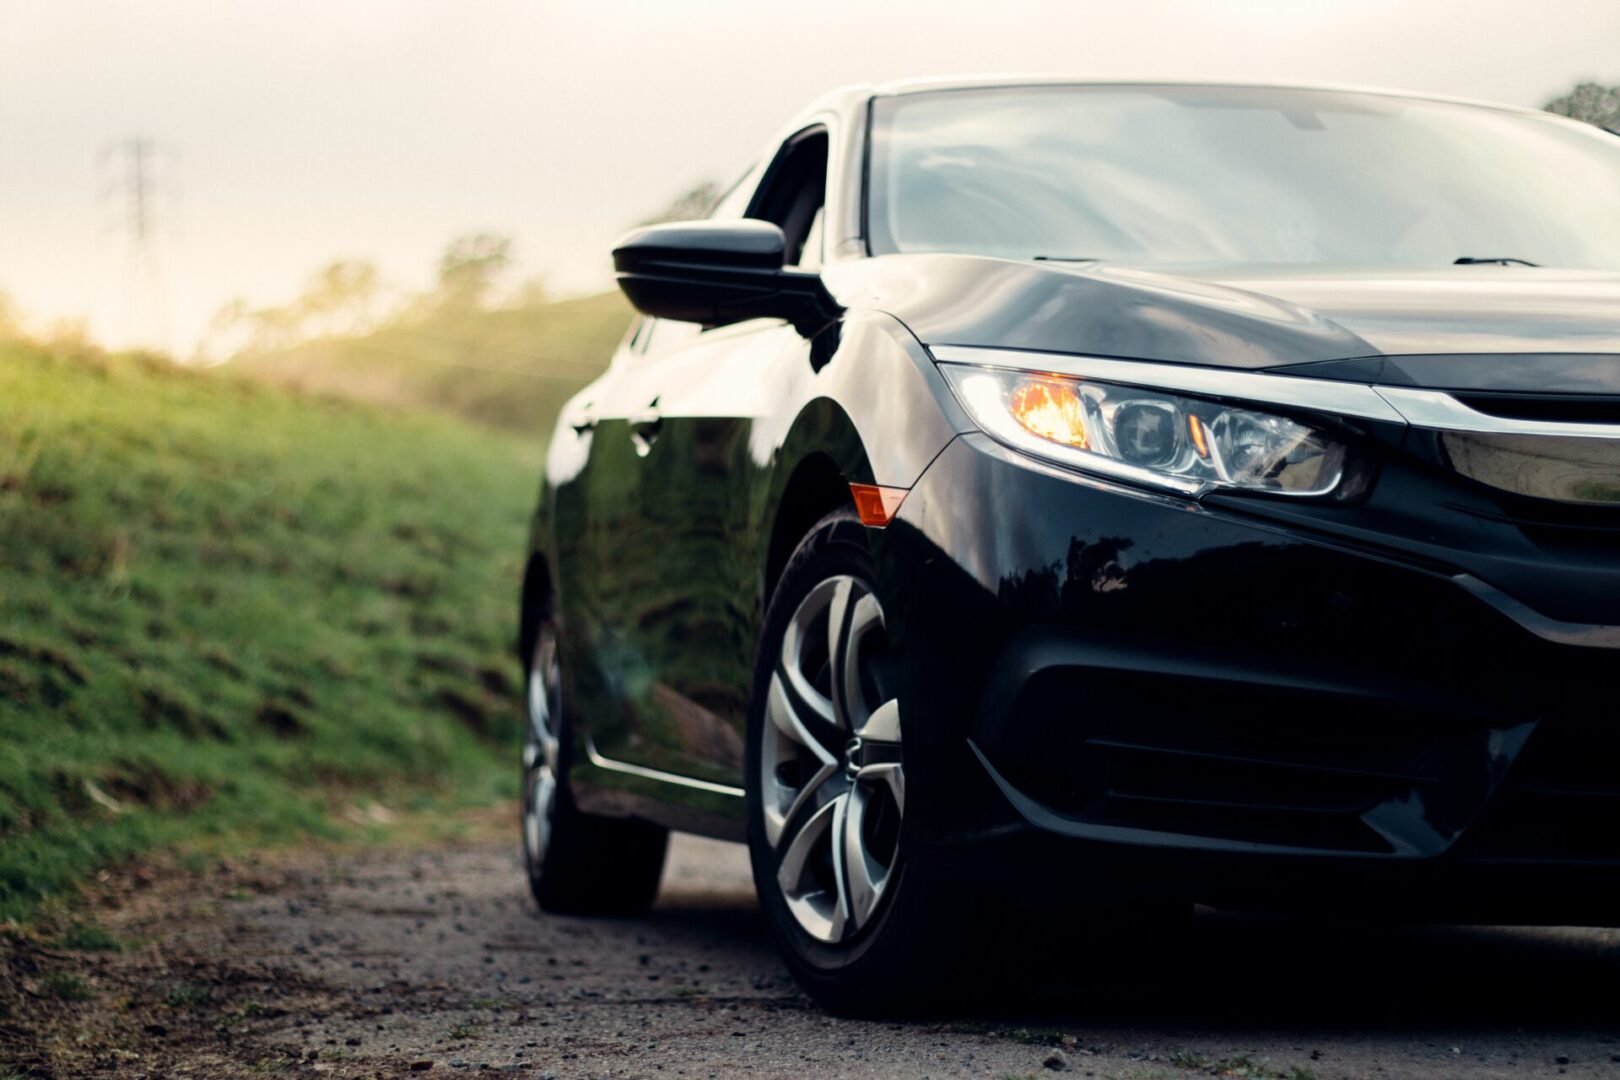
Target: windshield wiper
{"points": [[1066, 258], [1506, 260]]}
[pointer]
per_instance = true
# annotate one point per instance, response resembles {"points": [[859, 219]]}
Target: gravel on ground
{"points": [[389, 962]]}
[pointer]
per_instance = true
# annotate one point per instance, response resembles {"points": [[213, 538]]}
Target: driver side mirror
{"points": [[718, 272]]}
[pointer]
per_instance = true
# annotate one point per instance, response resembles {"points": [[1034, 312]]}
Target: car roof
{"points": [[899, 87]]}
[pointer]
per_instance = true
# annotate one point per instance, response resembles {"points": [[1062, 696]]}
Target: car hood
{"points": [[1251, 318], [1457, 309]]}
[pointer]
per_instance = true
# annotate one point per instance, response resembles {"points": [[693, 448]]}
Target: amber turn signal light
{"points": [[877, 505], [1195, 428]]}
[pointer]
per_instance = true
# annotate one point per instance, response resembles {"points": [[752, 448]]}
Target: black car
{"points": [[1130, 495]]}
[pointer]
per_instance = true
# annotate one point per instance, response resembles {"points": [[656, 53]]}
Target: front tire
{"points": [[577, 863], [826, 785]]}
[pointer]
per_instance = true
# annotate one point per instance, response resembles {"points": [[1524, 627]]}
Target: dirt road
{"points": [[436, 963]]}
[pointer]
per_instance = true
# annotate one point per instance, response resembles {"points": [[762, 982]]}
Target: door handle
{"points": [[644, 431]]}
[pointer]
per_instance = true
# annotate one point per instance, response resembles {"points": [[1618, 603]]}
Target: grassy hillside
{"points": [[226, 609], [511, 368]]}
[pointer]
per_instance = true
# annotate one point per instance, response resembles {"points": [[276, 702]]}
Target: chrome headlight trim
{"points": [[1252, 387], [1433, 410]]}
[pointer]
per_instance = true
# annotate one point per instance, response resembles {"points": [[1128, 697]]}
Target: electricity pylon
{"points": [[142, 170]]}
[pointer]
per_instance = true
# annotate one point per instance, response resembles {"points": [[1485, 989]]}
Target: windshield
{"points": [[1179, 175]]}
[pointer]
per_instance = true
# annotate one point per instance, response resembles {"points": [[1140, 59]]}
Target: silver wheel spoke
{"points": [[541, 750], [839, 850], [889, 774], [863, 880], [790, 724], [786, 740], [837, 618], [794, 642], [776, 821], [865, 617], [819, 910], [881, 735], [883, 726]]}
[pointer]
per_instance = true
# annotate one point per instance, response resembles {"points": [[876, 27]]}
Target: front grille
{"points": [[1581, 472], [1556, 408]]}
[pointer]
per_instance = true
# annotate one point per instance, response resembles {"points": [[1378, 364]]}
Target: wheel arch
{"points": [[816, 461], [537, 597], [879, 415], [816, 487]]}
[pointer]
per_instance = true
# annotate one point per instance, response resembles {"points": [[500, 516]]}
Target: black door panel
{"points": [[665, 616]]}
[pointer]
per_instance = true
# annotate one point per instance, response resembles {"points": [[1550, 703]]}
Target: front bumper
{"points": [[1227, 704]]}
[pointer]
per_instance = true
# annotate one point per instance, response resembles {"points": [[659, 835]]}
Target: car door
{"points": [[674, 637], [677, 641]]}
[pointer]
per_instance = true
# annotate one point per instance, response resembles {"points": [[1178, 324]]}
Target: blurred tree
{"points": [[10, 317], [1591, 102], [276, 327], [228, 332], [69, 334], [689, 205], [341, 298], [531, 293], [470, 268], [237, 326]]}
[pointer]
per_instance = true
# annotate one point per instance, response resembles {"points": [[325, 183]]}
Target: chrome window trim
{"points": [[1439, 411], [1318, 395]]}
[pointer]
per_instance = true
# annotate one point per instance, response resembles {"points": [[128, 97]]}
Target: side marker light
{"points": [[877, 505]]}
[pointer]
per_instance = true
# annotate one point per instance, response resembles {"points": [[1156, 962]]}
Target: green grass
{"points": [[510, 368], [66, 986], [184, 995], [230, 612], [83, 937]]}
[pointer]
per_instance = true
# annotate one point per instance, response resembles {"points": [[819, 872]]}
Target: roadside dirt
{"points": [[434, 962]]}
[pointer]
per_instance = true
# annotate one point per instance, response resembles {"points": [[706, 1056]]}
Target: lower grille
{"points": [[1325, 768], [1559, 803]]}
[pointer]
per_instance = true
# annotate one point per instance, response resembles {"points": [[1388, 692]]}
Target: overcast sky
{"points": [[378, 129]]}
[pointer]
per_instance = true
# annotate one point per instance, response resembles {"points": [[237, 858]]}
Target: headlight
{"points": [[1188, 445]]}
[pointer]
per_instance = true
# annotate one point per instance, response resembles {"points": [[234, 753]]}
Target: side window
{"points": [[814, 249], [639, 332], [794, 191]]}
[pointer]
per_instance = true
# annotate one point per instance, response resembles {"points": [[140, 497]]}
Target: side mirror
{"points": [[717, 272]]}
